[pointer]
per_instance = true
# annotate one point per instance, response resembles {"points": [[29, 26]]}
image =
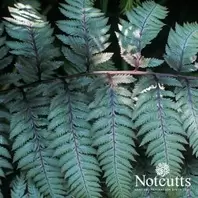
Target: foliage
{"points": [[72, 126], [86, 34]]}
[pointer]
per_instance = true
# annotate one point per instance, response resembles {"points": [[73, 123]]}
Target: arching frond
{"points": [[86, 34], [113, 136], [182, 47], [157, 120], [28, 130], [72, 140], [33, 43]]}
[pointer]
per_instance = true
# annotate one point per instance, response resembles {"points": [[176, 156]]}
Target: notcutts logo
{"points": [[162, 170]]}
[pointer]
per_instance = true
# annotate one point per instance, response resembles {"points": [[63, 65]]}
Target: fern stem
{"points": [[98, 73]]}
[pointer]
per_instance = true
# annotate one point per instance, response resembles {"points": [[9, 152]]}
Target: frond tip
{"points": [[33, 43], [182, 47], [143, 26]]}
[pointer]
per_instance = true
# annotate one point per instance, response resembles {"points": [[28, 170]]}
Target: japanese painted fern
{"points": [[68, 129]]}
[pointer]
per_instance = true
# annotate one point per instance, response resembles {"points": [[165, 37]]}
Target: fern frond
{"points": [[146, 19], [143, 26], [182, 47], [111, 111], [28, 130], [186, 97], [72, 141], [33, 43], [86, 34], [157, 120]]}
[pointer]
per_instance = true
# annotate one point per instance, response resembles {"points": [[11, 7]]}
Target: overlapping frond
{"points": [[86, 35], [143, 26], [75, 136], [113, 136], [187, 101], [182, 47], [157, 120], [32, 42], [72, 140], [28, 130]]}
